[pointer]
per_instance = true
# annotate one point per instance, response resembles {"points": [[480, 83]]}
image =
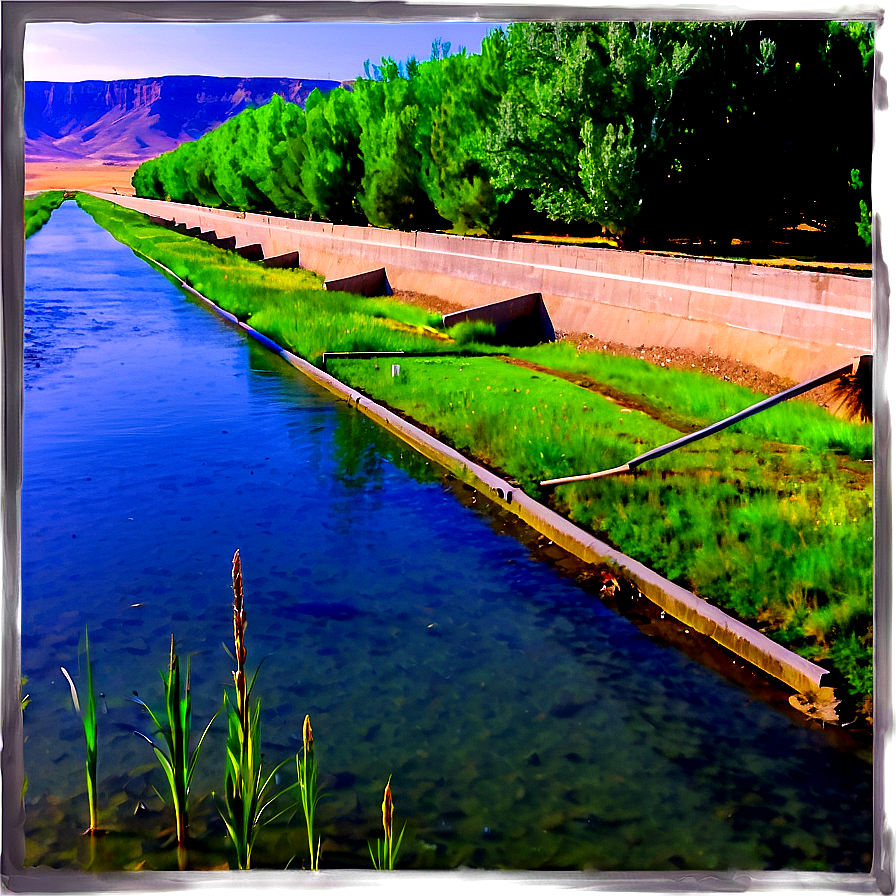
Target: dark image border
{"points": [[15, 14]]}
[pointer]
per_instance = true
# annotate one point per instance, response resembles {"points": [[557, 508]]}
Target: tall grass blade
{"points": [[88, 720], [385, 854], [306, 771], [245, 801], [177, 763]]}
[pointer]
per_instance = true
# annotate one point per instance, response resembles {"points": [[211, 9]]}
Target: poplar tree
{"points": [[332, 170]]}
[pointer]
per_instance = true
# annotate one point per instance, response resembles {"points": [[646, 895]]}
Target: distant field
{"points": [[80, 175]]}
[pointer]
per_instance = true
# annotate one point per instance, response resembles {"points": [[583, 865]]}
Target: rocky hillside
{"points": [[128, 121]]}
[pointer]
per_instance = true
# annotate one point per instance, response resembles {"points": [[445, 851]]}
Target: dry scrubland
{"points": [[80, 175]]}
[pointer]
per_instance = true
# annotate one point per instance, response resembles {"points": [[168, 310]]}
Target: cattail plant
{"points": [[245, 803], [88, 719], [178, 765], [385, 855], [306, 770]]}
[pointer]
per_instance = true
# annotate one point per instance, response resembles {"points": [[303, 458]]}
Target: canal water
{"points": [[524, 724]]}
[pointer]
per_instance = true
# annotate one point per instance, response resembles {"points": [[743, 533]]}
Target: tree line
{"points": [[640, 130]]}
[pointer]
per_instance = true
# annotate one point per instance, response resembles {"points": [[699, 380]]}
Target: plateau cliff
{"points": [[131, 120]]}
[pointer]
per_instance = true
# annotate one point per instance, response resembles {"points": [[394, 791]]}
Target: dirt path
{"points": [[728, 369]]}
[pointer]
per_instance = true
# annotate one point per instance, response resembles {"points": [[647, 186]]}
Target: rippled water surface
{"points": [[525, 724]]}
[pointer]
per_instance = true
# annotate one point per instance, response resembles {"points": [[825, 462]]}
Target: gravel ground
{"points": [[730, 369]]}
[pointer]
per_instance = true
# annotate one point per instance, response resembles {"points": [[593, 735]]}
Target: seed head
{"points": [[387, 809], [307, 737]]}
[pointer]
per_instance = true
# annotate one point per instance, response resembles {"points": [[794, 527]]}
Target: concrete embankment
{"points": [[685, 606], [793, 323]]}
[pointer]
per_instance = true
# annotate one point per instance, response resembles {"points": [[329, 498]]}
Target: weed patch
{"points": [[693, 399]]}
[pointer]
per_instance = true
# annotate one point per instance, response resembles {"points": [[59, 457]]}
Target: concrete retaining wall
{"points": [[739, 638], [523, 320], [793, 323]]}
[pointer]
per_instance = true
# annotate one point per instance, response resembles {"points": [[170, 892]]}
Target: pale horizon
{"points": [[66, 52]]}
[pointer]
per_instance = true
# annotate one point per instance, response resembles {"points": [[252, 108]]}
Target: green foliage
{"points": [[458, 97], [473, 331], [178, 764], [585, 109], [39, 209], [252, 162], [88, 719], [863, 225], [333, 168], [392, 193], [608, 172]]}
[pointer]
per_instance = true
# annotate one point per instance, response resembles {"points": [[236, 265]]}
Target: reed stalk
{"points": [[306, 770], [385, 854], [246, 802], [179, 764], [88, 720]]}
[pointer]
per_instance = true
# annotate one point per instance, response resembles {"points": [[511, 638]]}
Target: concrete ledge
{"points": [[370, 283], [287, 260], [251, 252], [522, 320]]}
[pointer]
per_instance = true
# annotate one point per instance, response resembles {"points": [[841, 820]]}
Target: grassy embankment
{"points": [[771, 520], [290, 306], [39, 209]]}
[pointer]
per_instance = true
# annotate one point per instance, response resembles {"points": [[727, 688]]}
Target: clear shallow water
{"points": [[525, 724]]}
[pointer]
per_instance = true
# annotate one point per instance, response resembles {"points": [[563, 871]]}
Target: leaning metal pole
{"points": [[851, 368]]}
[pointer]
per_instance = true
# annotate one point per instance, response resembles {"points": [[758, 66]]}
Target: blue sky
{"points": [[316, 50]]}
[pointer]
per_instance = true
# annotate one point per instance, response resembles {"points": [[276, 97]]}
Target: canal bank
{"points": [[793, 323], [742, 640]]}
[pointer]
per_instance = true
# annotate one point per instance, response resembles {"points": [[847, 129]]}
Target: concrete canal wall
{"points": [[793, 323], [736, 636]]}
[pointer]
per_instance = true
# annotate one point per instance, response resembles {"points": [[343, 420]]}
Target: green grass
{"points": [[777, 534], [689, 400], [309, 795], [246, 798], [88, 720], [39, 209]]}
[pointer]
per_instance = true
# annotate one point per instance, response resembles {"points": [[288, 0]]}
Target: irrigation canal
{"points": [[526, 726]]}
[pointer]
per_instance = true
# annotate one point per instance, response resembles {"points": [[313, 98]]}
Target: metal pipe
{"points": [[765, 404]]}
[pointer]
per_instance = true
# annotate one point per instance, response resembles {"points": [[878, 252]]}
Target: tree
{"points": [[585, 112], [768, 125], [458, 97], [279, 156], [332, 169], [392, 193]]}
